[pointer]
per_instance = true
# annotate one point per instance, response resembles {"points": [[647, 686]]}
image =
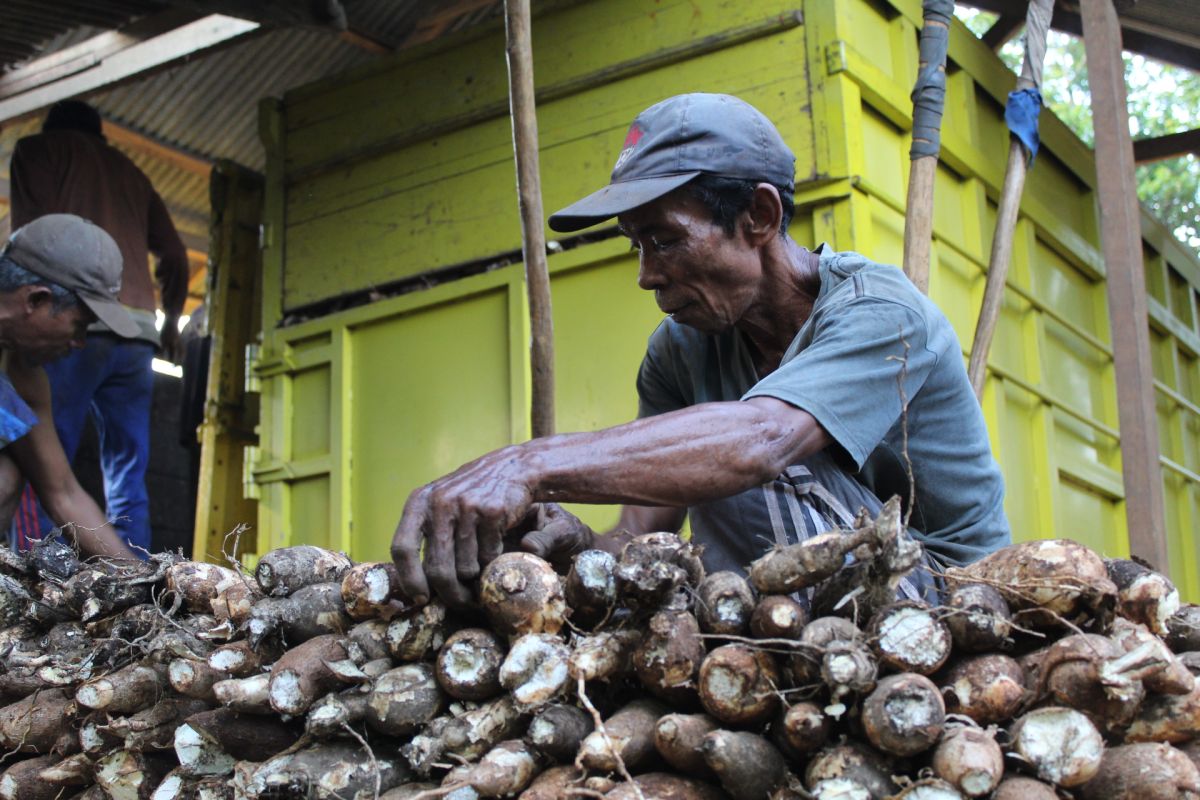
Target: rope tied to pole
{"points": [[1021, 115], [1025, 102], [929, 92]]}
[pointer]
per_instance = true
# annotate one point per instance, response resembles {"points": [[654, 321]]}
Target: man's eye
{"points": [[660, 245]]}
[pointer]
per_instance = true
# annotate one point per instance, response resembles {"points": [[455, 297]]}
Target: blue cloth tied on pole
{"points": [[929, 92], [1021, 114]]}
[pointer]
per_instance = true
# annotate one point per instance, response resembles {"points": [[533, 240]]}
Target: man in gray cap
{"points": [[786, 389], [58, 274]]}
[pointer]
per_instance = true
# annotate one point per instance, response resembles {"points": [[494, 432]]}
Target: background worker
{"points": [[57, 275], [70, 168], [786, 389]]}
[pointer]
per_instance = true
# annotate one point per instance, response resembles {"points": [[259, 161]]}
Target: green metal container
{"points": [[405, 169]]}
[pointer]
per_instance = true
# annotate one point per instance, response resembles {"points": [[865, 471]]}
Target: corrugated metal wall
{"points": [[407, 169]]}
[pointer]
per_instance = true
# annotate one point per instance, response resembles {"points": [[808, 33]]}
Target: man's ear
{"points": [[761, 220], [36, 297]]}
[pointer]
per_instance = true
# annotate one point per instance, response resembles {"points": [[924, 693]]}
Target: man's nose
{"points": [[649, 278]]}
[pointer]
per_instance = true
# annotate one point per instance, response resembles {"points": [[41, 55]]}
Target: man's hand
{"points": [[168, 340], [462, 519], [557, 535]]}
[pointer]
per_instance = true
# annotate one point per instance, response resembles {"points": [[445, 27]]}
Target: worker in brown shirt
{"points": [[70, 168]]}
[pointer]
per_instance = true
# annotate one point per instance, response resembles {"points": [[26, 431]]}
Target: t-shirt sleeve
{"points": [[657, 380], [16, 417], [848, 376]]}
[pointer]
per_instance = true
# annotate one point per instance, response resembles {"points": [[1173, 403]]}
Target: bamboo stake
{"points": [[928, 98], [522, 105], [1037, 20], [918, 221]]}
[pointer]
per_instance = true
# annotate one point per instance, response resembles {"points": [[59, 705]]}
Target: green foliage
{"points": [[1162, 99]]}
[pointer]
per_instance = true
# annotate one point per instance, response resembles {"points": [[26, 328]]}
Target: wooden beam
{"points": [[523, 108], [316, 14], [364, 42], [1121, 242], [434, 24], [1165, 44], [1003, 30], [1170, 146], [127, 137], [136, 60], [89, 53]]}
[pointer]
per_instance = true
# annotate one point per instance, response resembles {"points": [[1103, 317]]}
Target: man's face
{"points": [[700, 275], [46, 334]]}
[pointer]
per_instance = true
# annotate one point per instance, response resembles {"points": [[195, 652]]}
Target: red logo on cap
{"points": [[634, 136]]}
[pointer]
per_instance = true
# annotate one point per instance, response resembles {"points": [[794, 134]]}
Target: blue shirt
{"points": [[869, 326], [16, 417]]}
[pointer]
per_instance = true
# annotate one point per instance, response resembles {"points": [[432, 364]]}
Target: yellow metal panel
{"points": [[407, 167], [959, 280], [886, 237], [884, 155], [601, 323], [429, 391], [234, 302], [1180, 495], [405, 212], [1015, 424], [1089, 517], [1156, 276], [580, 46], [308, 511]]}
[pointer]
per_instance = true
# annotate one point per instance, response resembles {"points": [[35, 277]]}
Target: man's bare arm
{"points": [[40, 458], [674, 460]]}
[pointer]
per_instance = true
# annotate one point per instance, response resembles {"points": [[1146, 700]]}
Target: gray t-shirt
{"points": [[844, 368]]}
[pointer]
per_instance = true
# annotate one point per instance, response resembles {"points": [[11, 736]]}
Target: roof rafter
{"points": [[1137, 36], [139, 58], [1171, 145], [135, 140]]}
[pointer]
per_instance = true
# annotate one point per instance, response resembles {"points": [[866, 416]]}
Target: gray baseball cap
{"points": [[672, 142], [77, 255]]}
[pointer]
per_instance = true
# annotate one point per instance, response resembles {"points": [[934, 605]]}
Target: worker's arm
{"points": [[40, 458], [171, 272], [671, 460]]}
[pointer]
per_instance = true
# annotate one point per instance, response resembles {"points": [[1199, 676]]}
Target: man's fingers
{"points": [[539, 543], [406, 548], [558, 540], [466, 548], [439, 562], [490, 540]]}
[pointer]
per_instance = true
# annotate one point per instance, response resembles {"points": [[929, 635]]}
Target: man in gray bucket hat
{"points": [[785, 390], [58, 274]]}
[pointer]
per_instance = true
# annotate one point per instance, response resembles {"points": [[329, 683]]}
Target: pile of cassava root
{"points": [[1047, 672]]}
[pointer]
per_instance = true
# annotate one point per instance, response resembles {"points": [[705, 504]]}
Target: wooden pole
{"points": [[928, 99], [522, 105], [1121, 241], [1038, 17], [993, 290], [918, 221]]}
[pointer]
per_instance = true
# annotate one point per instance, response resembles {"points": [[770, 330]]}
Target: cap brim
{"points": [[614, 199], [112, 314]]}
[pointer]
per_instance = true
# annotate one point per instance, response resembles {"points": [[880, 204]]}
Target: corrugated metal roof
{"points": [[28, 27], [209, 106], [206, 106]]}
